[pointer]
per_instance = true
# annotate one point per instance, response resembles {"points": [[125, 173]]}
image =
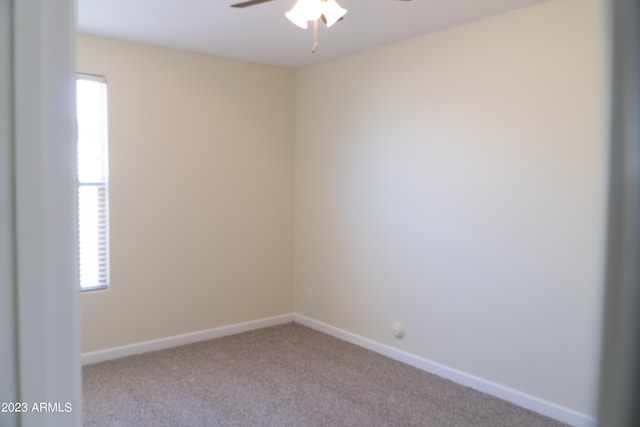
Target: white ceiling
{"points": [[262, 34]]}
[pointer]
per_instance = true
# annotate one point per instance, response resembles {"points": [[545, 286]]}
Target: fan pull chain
{"points": [[315, 36]]}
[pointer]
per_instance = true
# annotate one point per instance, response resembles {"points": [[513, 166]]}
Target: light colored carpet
{"points": [[287, 375]]}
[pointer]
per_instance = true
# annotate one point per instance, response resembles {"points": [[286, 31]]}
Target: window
{"points": [[93, 182]]}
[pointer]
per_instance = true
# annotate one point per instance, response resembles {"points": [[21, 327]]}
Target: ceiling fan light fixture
{"points": [[296, 19], [304, 11], [332, 12]]}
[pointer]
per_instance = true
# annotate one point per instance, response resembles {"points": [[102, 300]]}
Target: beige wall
{"points": [[201, 163], [456, 183]]}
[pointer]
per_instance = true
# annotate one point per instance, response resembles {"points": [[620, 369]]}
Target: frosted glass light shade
{"points": [[304, 11], [332, 12], [296, 19]]}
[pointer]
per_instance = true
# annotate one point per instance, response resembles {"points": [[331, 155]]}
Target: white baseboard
{"points": [[516, 397], [532, 403], [178, 340]]}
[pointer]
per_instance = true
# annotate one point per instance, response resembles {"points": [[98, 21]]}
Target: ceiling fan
{"points": [[309, 10], [254, 2]]}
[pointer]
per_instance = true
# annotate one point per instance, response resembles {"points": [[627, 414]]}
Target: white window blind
{"points": [[93, 182]]}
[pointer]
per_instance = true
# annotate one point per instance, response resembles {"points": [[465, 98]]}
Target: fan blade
{"points": [[249, 3]]}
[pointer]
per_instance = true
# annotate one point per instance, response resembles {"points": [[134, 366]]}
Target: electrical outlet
{"points": [[398, 330], [309, 294]]}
